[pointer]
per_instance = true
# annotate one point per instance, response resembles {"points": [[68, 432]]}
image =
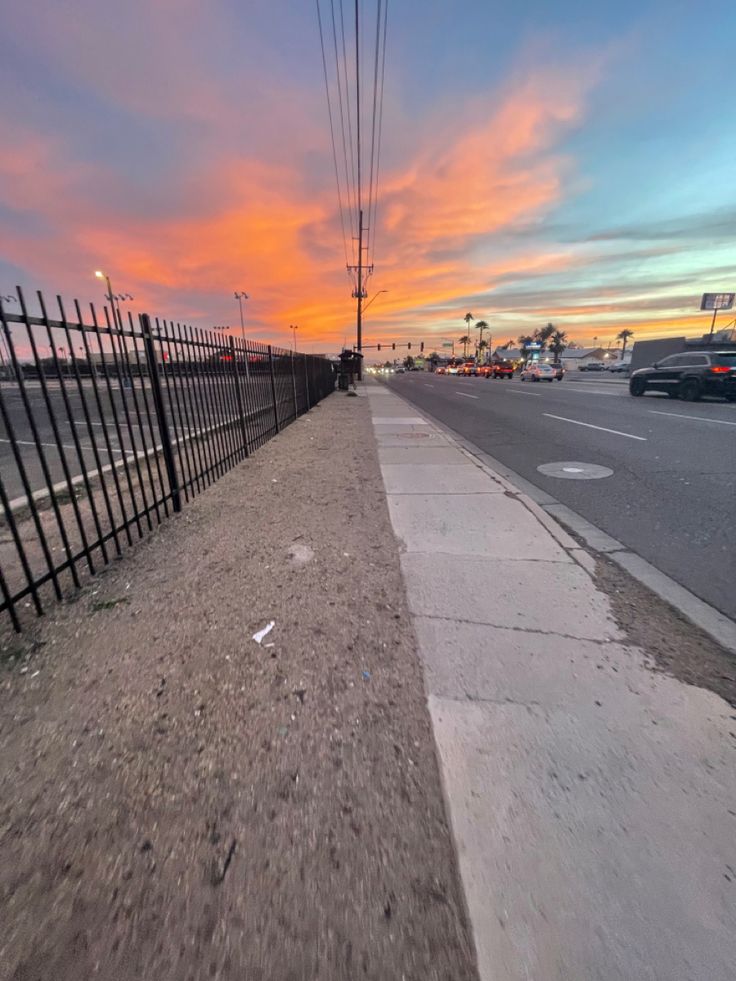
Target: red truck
{"points": [[501, 369]]}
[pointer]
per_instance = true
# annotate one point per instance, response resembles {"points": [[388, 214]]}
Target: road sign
{"points": [[717, 301], [447, 344], [534, 346]]}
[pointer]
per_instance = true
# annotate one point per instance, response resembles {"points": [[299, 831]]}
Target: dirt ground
{"points": [[674, 644], [178, 802]]}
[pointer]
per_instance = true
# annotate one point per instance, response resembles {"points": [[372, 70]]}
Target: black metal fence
{"points": [[106, 427]]}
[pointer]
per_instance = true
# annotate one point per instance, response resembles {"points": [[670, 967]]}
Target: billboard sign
{"points": [[447, 344], [717, 301]]}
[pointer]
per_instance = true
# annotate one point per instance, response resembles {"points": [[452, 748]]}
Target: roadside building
{"points": [[574, 357]]}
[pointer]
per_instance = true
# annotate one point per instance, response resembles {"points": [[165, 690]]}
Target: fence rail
{"points": [[108, 426]]}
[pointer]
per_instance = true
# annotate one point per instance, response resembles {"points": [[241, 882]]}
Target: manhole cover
{"points": [[572, 470]]}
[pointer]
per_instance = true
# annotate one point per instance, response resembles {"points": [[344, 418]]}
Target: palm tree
{"points": [[465, 340], [544, 334], [481, 326], [624, 336], [524, 342], [467, 318], [482, 345], [558, 342]]}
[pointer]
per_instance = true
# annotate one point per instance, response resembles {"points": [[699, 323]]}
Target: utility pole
{"points": [[360, 282], [360, 292]]}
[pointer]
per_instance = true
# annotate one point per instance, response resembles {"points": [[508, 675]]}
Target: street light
{"points": [[293, 328], [117, 319], [242, 295], [373, 298]]}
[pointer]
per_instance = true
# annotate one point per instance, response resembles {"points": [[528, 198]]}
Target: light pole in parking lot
{"points": [[240, 296]]}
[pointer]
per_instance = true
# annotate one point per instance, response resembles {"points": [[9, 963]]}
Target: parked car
{"points": [[537, 371], [468, 368], [689, 376], [502, 369], [619, 368], [592, 366]]}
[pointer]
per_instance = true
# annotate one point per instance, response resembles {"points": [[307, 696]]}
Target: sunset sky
{"points": [[572, 162]]}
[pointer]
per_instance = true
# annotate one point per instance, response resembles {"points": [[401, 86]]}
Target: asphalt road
{"points": [[211, 410], [672, 492]]}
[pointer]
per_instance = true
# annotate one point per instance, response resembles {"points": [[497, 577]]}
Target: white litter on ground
{"points": [[258, 637]]}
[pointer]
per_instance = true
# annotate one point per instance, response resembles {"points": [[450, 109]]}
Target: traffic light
{"points": [[421, 347], [378, 346], [393, 346], [408, 346]]}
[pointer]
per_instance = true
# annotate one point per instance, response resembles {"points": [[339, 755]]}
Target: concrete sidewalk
{"points": [[593, 801]]}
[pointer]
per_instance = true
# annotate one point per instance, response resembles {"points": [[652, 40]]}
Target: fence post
{"points": [[238, 393], [306, 381], [158, 403], [273, 390], [293, 386]]}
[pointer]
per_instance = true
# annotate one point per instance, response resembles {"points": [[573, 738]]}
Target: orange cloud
{"points": [[271, 229]]}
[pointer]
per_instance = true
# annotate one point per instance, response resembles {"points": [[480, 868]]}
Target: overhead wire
{"points": [[354, 216], [374, 217], [332, 136], [348, 185], [356, 109]]}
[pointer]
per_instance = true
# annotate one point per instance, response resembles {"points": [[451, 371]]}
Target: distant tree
{"points": [[468, 318], [558, 342], [509, 343], [524, 341], [481, 326], [572, 346], [624, 336], [482, 346], [409, 362], [543, 334], [465, 340]]}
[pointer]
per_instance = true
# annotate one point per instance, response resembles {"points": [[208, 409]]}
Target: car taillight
{"points": [[719, 369]]}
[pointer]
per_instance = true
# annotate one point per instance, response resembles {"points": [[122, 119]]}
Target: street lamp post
{"points": [[116, 318], [293, 328], [373, 298], [240, 296]]}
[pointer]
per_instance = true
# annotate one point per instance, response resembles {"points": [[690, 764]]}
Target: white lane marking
{"points": [[466, 396], [592, 391], [680, 415], [521, 391], [427, 385], [51, 446], [589, 425]]}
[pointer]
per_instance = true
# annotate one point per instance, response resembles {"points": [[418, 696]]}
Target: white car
{"points": [[453, 369], [537, 371]]}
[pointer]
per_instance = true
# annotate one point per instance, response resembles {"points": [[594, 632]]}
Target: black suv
{"points": [[688, 376]]}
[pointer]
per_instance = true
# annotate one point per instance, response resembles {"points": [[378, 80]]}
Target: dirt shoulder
{"points": [[178, 802]]}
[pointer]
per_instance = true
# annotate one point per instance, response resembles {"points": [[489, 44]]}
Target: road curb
{"points": [[711, 621]]}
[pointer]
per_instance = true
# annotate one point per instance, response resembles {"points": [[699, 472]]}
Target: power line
{"points": [[374, 218], [332, 136], [373, 186], [354, 216], [357, 100], [350, 191]]}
